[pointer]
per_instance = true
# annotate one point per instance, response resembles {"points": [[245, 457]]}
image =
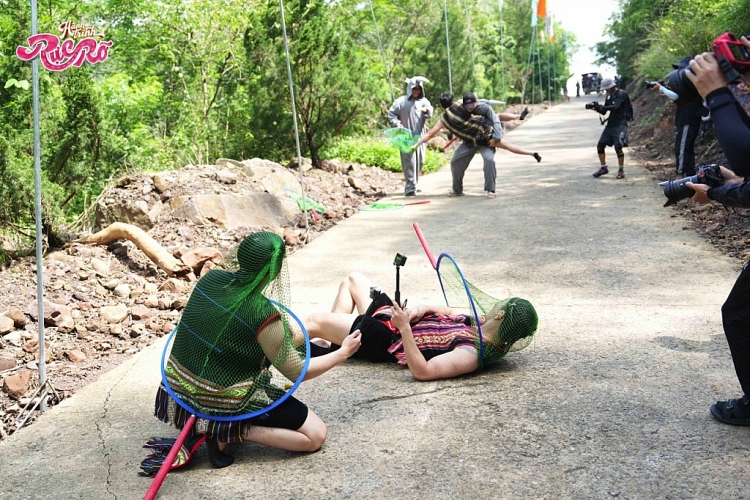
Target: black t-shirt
{"points": [[616, 104]]}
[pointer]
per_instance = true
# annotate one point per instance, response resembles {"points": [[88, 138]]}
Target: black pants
{"points": [[735, 314], [684, 149]]}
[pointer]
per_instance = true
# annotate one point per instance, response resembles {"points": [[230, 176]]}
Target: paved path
{"points": [[611, 400]]}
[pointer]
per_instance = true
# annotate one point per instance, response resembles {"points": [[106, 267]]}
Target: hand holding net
{"points": [[401, 138]]}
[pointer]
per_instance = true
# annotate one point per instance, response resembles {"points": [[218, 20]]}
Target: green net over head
{"points": [[235, 351], [401, 138], [507, 325]]}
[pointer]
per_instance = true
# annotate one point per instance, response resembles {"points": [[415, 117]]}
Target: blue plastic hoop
{"points": [[255, 413]]}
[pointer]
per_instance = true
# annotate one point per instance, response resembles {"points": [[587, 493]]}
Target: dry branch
{"points": [[153, 250]]}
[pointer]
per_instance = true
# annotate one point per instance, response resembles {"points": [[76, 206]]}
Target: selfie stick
{"points": [[398, 292]]}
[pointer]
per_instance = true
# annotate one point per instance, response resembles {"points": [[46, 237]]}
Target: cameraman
{"points": [[617, 103], [733, 131], [687, 123]]}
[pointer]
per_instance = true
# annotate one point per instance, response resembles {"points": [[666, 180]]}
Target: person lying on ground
{"points": [[434, 342]]}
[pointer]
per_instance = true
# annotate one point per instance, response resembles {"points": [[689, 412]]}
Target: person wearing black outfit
{"points": [[617, 103], [687, 124], [733, 132]]}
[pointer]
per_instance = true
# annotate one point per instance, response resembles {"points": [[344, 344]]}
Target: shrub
{"points": [[377, 153]]}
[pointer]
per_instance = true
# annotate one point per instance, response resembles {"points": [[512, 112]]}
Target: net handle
{"points": [[167, 464], [256, 412], [425, 246]]}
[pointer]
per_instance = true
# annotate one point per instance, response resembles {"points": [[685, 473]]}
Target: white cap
{"points": [[607, 84]]}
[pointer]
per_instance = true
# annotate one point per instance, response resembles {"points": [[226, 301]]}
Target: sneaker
{"points": [[733, 411], [524, 113], [602, 170], [491, 195], [453, 194], [620, 174], [537, 157]]}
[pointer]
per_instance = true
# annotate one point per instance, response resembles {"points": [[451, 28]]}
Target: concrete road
{"points": [[610, 401]]}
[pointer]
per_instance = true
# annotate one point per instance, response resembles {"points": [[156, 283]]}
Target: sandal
{"points": [[733, 411], [453, 194], [620, 174], [491, 195], [537, 157], [162, 446]]}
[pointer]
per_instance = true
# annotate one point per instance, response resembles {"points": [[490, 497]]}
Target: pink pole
{"points": [[425, 245], [164, 469]]}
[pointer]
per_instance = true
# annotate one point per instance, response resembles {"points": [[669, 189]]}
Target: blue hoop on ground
{"points": [[401, 138], [252, 414], [311, 204], [468, 294]]}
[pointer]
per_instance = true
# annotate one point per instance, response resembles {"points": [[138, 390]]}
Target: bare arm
{"points": [[430, 134], [448, 365], [280, 351]]}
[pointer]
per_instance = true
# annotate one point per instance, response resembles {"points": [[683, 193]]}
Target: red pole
{"points": [[426, 247], [164, 469]]}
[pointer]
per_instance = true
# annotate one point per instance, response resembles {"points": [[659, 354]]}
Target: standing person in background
{"points": [[411, 111], [687, 123], [615, 133], [578, 89]]}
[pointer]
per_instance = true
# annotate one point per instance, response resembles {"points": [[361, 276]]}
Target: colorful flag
{"points": [[551, 25], [534, 4], [541, 8]]}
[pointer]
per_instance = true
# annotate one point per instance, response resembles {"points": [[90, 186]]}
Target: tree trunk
{"points": [[153, 250]]}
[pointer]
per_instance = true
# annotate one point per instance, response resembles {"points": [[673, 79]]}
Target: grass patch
{"points": [[377, 153]]}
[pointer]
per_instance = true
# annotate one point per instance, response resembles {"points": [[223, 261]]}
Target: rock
{"points": [[14, 338], [231, 211], [140, 312], [99, 266], [179, 303], [164, 303], [109, 211], [122, 290], [19, 318], [7, 362], [7, 325], [226, 177], [151, 301], [172, 285], [163, 181], [197, 257], [66, 324], [16, 385], [113, 314], [75, 356], [226, 162]]}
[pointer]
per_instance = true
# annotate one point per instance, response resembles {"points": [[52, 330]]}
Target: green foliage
{"points": [[377, 153], [649, 35]]}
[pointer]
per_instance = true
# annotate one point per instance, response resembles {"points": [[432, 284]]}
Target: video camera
{"points": [[592, 105], [677, 190], [733, 59]]}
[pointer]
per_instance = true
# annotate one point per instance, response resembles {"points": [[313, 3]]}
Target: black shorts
{"points": [[290, 414], [617, 135], [376, 339]]}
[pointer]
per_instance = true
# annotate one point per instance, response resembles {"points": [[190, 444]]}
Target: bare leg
{"points": [[602, 159], [354, 290], [508, 117], [513, 148], [309, 437]]}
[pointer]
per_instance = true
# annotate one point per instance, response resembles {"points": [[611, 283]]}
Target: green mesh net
{"points": [[401, 138], [506, 325], [238, 348]]}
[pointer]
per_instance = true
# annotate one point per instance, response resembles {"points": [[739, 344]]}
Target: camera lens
{"points": [[677, 190]]}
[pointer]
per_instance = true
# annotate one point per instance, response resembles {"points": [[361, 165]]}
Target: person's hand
{"points": [[351, 343], [416, 313], [729, 177], [701, 192], [400, 317], [706, 74], [494, 143], [656, 87], [425, 110]]}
